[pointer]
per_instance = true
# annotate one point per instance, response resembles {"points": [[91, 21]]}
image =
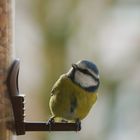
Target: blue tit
{"points": [[75, 92]]}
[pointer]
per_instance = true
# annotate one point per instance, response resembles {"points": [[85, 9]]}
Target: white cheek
{"points": [[84, 80]]}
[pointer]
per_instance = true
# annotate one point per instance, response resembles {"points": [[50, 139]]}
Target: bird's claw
{"points": [[78, 124], [50, 122]]}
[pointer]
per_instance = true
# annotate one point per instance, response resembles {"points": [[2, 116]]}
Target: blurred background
{"points": [[53, 34]]}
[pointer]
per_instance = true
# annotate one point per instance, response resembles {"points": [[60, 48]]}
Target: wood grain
{"points": [[6, 58]]}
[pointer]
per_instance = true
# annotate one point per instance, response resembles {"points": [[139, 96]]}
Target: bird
{"points": [[75, 92]]}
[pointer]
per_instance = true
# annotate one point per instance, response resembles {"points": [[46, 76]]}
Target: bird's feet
{"points": [[51, 121], [78, 123]]}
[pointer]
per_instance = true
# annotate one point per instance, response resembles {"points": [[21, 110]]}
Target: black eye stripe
{"points": [[87, 72]]}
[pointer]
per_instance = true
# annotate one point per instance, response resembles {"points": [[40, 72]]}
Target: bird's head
{"points": [[85, 74]]}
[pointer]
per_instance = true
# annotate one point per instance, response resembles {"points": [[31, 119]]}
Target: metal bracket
{"points": [[17, 101]]}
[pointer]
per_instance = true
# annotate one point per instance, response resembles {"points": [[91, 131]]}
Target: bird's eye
{"points": [[85, 71]]}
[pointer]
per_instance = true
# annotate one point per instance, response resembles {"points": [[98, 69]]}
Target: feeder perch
{"points": [[17, 100]]}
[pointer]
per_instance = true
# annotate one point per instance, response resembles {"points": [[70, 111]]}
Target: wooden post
{"points": [[6, 58]]}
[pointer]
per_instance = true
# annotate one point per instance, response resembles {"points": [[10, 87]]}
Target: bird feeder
{"points": [[11, 102], [17, 100]]}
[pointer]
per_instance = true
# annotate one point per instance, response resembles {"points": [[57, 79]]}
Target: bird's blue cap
{"points": [[89, 65]]}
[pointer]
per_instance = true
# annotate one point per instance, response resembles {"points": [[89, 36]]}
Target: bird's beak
{"points": [[74, 66]]}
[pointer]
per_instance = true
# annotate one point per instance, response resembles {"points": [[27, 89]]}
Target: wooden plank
{"points": [[6, 58]]}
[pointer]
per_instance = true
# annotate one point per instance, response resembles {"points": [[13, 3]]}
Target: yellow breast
{"points": [[64, 92]]}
